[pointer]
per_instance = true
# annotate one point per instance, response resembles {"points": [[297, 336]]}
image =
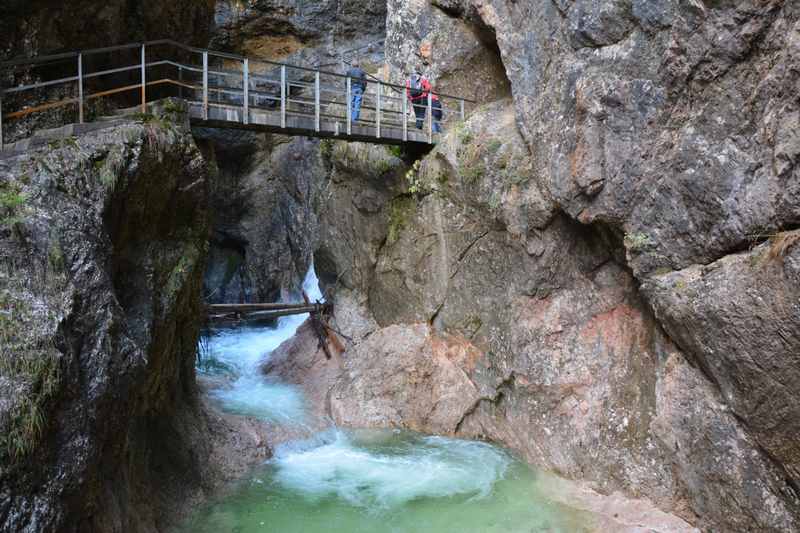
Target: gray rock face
{"points": [[103, 242], [459, 57], [303, 33], [402, 376], [42, 27], [567, 364], [263, 199], [355, 208], [740, 317]]}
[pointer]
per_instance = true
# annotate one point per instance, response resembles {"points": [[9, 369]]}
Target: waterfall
{"points": [[242, 351]]}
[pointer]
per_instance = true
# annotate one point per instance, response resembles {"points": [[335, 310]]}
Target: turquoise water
{"points": [[387, 481], [370, 481]]}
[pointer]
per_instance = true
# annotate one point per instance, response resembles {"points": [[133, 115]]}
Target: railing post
{"points": [[349, 110], [461, 106], [246, 110], [283, 96], [430, 117], [316, 101], [144, 82], [378, 112], [1, 119], [80, 88], [205, 85], [180, 81], [405, 117]]}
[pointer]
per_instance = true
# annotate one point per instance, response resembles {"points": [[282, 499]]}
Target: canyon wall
{"points": [[104, 240], [601, 270]]}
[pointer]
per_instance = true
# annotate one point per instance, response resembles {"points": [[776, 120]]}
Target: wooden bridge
{"points": [[326, 335], [222, 90]]}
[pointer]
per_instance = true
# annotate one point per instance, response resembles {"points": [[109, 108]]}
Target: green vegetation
{"points": [[384, 165], [473, 173], [463, 134], [402, 209], [326, 148], [30, 361], [174, 109], [183, 269], [12, 201], [397, 151], [111, 167], [493, 146], [415, 183], [636, 242]]}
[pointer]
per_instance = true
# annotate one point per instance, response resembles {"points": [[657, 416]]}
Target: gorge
{"points": [[578, 311]]}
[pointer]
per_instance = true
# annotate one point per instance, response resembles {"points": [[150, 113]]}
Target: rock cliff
{"points": [[104, 239], [601, 269]]}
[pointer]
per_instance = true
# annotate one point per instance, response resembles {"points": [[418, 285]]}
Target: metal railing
{"points": [[223, 90]]}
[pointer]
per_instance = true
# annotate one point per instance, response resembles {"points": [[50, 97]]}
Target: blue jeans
{"points": [[436, 111], [355, 102]]}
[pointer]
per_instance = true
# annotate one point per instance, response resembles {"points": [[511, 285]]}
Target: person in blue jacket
{"points": [[358, 84]]}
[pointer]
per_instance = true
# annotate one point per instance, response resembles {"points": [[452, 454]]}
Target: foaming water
{"points": [[388, 481], [240, 352], [377, 469], [362, 481]]}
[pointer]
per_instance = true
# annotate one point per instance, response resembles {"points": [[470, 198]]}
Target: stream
{"points": [[367, 480]]}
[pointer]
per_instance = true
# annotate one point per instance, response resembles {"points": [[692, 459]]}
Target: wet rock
{"points": [[356, 206], [102, 264], [263, 199], [404, 376], [301, 361]]}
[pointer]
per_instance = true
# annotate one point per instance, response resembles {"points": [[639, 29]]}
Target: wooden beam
{"points": [[257, 307]]}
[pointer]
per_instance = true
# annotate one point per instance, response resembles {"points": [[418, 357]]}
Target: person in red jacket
{"points": [[417, 90]]}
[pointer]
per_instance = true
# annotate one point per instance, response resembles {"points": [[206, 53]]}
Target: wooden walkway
{"points": [[222, 90]]}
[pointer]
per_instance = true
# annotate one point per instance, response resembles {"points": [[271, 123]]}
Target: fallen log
{"points": [[225, 311], [251, 307]]}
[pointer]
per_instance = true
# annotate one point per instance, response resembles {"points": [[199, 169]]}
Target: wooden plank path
{"points": [[222, 90]]}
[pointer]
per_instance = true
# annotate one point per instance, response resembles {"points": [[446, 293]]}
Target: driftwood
{"points": [[323, 331]]}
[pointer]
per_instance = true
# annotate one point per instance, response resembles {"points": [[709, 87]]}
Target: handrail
{"points": [[226, 55], [224, 94]]}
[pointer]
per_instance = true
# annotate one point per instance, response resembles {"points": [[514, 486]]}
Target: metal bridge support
{"points": [[405, 117], [316, 101], [430, 117], [80, 88], [378, 112], [246, 89], [205, 85], [283, 96], [348, 98], [144, 82]]}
